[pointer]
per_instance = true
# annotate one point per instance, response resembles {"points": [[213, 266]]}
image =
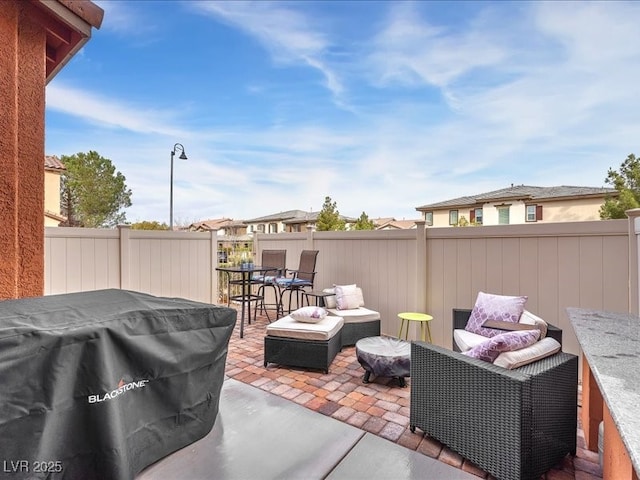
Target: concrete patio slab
{"points": [[260, 435], [374, 458]]}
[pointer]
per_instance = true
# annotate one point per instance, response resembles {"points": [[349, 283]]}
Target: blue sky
{"points": [[383, 106]]}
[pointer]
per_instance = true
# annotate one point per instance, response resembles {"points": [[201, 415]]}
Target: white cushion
{"points": [[330, 301], [348, 297], [529, 318], [539, 350], [290, 328], [356, 315], [309, 314], [466, 340]]}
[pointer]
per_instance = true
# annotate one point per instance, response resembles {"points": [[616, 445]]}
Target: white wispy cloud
{"points": [[110, 112], [409, 50], [290, 36]]}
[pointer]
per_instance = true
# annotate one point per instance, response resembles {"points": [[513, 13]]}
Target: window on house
{"points": [[475, 216], [503, 215], [252, 229], [534, 213], [428, 218], [261, 228], [453, 217], [295, 227], [273, 228]]}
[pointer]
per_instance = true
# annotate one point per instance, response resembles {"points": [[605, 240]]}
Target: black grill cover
{"points": [[98, 385]]}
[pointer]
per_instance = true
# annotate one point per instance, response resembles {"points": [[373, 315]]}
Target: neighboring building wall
{"points": [[51, 196], [582, 210], [22, 87], [573, 210]]}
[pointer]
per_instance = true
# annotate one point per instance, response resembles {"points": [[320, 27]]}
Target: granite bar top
{"points": [[611, 343]]}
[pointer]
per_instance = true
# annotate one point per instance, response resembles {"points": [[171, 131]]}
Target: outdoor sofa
{"points": [[515, 424]]}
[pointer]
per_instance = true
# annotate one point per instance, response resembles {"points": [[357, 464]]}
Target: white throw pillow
{"points": [[309, 314], [539, 350], [348, 297], [330, 301]]}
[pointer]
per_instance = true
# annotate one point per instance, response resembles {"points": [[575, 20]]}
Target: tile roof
{"points": [[398, 225], [523, 192], [53, 163], [281, 216], [216, 223]]}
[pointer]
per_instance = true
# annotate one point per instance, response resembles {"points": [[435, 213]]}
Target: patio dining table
{"points": [[243, 275]]}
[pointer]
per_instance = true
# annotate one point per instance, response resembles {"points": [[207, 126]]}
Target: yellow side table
{"points": [[424, 320]]}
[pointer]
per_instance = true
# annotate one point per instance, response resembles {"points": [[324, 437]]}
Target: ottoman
{"points": [[384, 357], [299, 344]]}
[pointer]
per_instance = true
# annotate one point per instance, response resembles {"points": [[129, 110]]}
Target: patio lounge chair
{"points": [[514, 424]]}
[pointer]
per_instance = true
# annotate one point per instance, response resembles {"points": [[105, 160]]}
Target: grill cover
{"points": [[98, 385]]}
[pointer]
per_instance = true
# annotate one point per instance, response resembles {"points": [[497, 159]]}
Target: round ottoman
{"points": [[384, 357]]}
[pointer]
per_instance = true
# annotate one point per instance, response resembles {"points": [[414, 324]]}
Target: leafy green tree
{"points": [[149, 225], [627, 182], [92, 193], [363, 223], [329, 217]]}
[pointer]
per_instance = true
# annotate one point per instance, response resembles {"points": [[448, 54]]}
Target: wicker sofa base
{"points": [[514, 424], [295, 352], [352, 332]]}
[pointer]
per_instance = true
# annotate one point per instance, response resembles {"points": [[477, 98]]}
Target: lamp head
{"points": [[182, 156]]}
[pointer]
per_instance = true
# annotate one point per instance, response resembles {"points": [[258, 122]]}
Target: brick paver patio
{"points": [[380, 407]]}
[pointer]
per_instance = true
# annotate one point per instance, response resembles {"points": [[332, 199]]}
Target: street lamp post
{"points": [[181, 157]]}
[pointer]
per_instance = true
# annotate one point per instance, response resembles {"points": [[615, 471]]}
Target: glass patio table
{"points": [[244, 277]]}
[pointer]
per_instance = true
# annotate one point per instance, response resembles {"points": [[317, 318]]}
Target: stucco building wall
{"points": [[22, 87]]}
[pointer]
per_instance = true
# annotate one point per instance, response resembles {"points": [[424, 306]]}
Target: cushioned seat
{"points": [[359, 322], [290, 328], [300, 344]]}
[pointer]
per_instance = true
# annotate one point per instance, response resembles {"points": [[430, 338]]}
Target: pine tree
{"points": [[329, 218]]}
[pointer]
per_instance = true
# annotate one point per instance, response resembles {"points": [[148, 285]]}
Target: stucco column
{"points": [[22, 101]]}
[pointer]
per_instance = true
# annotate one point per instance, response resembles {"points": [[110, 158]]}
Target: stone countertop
{"points": [[611, 343]]}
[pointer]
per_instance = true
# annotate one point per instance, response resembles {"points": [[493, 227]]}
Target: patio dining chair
{"points": [[278, 260], [297, 281]]}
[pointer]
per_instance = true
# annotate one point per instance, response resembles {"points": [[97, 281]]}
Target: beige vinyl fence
{"points": [[557, 265], [162, 263]]}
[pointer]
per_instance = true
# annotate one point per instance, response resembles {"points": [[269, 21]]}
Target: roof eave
{"points": [[68, 24]]}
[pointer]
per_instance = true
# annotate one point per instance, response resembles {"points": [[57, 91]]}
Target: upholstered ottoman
{"points": [[299, 344]]}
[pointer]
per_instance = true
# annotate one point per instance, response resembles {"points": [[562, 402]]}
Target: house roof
{"points": [[397, 224], [216, 224], [523, 192], [281, 216], [382, 221], [68, 25], [293, 216], [51, 162]]}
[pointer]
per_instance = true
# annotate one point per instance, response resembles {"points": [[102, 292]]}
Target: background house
{"points": [[289, 221], [224, 226], [53, 169], [390, 223], [519, 204]]}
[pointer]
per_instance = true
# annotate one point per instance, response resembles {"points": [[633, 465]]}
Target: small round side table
{"points": [[424, 320]]}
